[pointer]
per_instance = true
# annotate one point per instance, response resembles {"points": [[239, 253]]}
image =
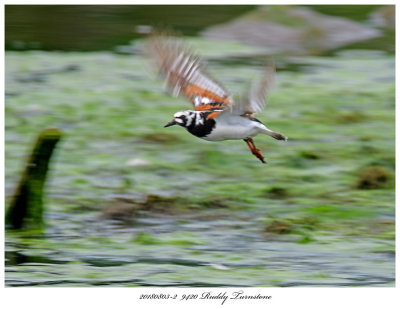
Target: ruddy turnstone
{"points": [[216, 117]]}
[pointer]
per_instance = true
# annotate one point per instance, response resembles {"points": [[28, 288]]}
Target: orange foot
{"points": [[254, 150]]}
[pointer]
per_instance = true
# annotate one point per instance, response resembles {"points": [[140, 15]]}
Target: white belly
{"points": [[233, 128]]}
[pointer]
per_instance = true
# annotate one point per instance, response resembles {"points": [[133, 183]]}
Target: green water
{"points": [[102, 27], [130, 203]]}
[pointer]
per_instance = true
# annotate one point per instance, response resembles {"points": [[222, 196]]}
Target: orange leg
{"points": [[254, 150]]}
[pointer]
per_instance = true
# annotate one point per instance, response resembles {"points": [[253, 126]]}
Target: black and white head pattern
{"points": [[188, 118], [195, 122]]}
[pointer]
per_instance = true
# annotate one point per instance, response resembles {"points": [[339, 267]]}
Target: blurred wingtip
{"points": [[162, 43]]}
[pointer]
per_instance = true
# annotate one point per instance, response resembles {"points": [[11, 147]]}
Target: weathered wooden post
{"points": [[26, 208]]}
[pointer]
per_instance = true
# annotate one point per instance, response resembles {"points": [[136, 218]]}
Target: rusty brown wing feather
{"points": [[185, 75]]}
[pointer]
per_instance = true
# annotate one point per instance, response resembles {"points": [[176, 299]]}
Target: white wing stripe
{"points": [[176, 62]]}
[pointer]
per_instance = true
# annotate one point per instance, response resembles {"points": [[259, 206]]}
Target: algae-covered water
{"points": [[130, 203]]}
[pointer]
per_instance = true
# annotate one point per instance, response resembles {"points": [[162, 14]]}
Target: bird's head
{"points": [[182, 118]]}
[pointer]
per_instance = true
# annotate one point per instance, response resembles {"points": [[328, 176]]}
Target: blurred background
{"points": [[129, 203]]}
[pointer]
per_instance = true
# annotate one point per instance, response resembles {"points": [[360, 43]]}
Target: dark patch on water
{"points": [[15, 258], [102, 27]]}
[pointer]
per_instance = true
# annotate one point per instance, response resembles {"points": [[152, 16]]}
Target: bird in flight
{"points": [[216, 117]]}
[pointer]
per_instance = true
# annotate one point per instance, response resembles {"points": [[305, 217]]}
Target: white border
{"points": [[128, 297]]}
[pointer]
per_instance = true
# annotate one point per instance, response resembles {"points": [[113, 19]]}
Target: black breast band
{"points": [[202, 130]]}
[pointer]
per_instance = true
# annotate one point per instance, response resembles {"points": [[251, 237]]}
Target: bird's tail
{"points": [[273, 134]]}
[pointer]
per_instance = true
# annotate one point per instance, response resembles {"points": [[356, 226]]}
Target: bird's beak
{"points": [[171, 123]]}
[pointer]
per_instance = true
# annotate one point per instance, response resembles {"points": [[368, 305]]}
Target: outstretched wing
{"points": [[185, 75], [255, 100]]}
